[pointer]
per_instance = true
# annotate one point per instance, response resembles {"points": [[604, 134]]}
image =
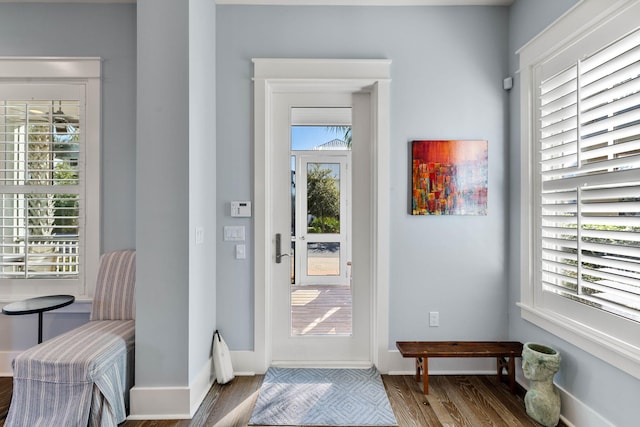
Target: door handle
{"points": [[279, 253]]}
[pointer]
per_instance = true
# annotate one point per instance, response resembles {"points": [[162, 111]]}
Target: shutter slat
{"points": [[609, 108], [551, 254], [625, 132], [613, 279], [558, 127], [558, 80], [566, 137], [613, 121], [559, 150], [611, 250], [621, 91], [612, 235], [611, 207], [559, 220], [594, 179], [613, 262], [567, 113], [612, 150]]}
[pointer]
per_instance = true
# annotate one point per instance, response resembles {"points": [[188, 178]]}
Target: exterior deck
{"points": [[321, 309]]}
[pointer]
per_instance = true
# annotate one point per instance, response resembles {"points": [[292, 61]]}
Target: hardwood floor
{"points": [[453, 401]]}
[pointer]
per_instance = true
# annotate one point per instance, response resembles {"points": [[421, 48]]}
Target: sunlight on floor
{"points": [[239, 412], [304, 296], [320, 320], [321, 310]]}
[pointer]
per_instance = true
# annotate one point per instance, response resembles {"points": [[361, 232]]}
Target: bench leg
{"points": [[508, 363], [512, 374], [422, 364], [500, 364]]}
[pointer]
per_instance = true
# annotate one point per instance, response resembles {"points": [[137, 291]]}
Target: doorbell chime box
{"points": [[241, 209]]}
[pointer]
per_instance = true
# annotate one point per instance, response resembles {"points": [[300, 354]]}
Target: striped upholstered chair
{"points": [[82, 377]]}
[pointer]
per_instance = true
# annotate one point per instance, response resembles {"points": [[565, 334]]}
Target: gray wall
{"points": [[98, 30], [202, 182], [607, 390], [447, 71], [162, 177]]}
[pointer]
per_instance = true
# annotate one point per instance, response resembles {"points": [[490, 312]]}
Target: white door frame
{"points": [[317, 76]]}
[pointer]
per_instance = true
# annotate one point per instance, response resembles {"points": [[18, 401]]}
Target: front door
{"points": [[320, 313], [320, 199]]}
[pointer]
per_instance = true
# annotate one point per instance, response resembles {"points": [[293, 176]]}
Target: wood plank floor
{"points": [[453, 401]]}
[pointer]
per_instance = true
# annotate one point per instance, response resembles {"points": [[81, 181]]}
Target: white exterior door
{"points": [[314, 248]]}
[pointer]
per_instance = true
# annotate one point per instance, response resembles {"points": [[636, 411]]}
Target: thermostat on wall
{"points": [[242, 209]]}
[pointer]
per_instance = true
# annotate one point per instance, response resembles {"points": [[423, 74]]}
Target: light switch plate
{"points": [[233, 233], [241, 252], [199, 235]]}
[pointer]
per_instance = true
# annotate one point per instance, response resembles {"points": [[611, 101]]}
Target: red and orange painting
{"points": [[449, 177]]}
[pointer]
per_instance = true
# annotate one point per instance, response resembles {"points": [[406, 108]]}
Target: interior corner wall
{"points": [[447, 68], [162, 209], [202, 184], [107, 31], [176, 186], [594, 392]]}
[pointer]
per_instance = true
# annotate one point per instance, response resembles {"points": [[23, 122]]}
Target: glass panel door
{"points": [[321, 294], [323, 238], [312, 323]]}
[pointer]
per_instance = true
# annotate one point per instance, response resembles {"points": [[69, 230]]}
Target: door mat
{"points": [[322, 397]]}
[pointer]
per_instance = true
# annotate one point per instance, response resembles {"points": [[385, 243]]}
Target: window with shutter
{"points": [[49, 167], [590, 174], [580, 180], [41, 184]]}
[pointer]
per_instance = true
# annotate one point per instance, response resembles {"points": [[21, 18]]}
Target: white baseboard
{"points": [[160, 403], [336, 364], [398, 365], [164, 403], [201, 386], [245, 363], [576, 413]]}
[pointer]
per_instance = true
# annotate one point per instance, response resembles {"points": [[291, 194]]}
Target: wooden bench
{"points": [[505, 353]]}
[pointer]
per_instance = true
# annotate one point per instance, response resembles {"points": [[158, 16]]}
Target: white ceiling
{"points": [[312, 2], [373, 2]]}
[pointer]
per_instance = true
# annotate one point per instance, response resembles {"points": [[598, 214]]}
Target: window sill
{"points": [[617, 353]]}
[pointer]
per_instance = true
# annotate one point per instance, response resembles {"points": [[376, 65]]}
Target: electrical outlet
{"points": [[434, 318]]}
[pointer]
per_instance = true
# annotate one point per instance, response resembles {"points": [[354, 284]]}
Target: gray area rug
{"points": [[322, 397]]}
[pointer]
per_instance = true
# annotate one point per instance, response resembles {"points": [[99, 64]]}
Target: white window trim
{"points": [[85, 71], [606, 336]]}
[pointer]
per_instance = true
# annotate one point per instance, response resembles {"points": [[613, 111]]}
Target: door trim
{"points": [[317, 76]]}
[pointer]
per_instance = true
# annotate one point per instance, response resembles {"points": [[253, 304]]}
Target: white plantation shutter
{"points": [[41, 181], [590, 180]]}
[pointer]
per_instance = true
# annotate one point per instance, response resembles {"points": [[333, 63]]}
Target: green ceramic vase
{"points": [[542, 400]]}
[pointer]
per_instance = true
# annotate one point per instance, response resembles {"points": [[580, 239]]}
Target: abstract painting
{"points": [[449, 177]]}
